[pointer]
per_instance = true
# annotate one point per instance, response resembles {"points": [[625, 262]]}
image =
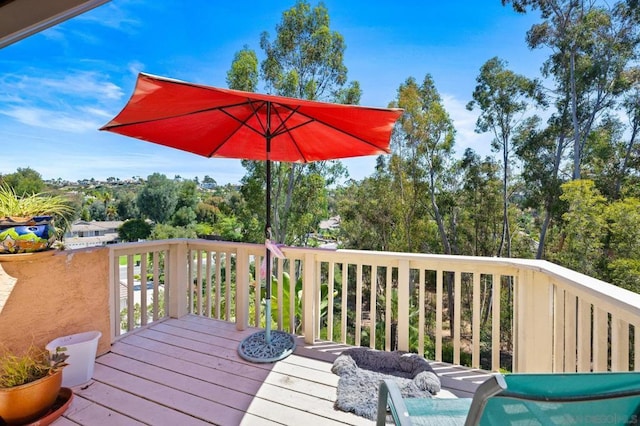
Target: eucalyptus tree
{"points": [[305, 60], [479, 200], [422, 151], [631, 105], [503, 98], [542, 151], [592, 44]]}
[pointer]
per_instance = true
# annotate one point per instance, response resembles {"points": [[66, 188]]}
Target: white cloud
{"points": [[135, 67], [112, 16], [51, 119], [464, 122], [74, 101]]}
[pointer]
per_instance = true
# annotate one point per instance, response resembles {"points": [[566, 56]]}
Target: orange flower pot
{"points": [[25, 403]]}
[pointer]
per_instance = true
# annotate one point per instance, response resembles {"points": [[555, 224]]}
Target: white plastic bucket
{"points": [[81, 348]]}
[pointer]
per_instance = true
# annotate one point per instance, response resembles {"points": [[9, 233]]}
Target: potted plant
{"points": [[29, 384], [26, 222]]}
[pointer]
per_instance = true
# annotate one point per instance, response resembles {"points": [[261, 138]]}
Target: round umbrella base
{"points": [[256, 349]]}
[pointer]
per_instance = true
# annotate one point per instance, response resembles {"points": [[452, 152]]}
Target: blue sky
{"points": [[59, 86]]}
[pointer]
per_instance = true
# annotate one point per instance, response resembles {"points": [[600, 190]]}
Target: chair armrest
{"points": [[389, 395], [486, 390]]}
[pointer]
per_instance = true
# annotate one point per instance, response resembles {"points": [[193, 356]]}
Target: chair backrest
{"points": [[569, 398]]}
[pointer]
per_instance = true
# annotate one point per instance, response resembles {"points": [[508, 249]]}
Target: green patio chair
{"points": [[525, 399]]}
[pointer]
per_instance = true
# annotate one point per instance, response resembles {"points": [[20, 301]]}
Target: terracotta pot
{"points": [[25, 403]]}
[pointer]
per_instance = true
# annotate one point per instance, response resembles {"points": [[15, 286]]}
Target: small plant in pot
{"points": [[26, 222], [29, 384]]}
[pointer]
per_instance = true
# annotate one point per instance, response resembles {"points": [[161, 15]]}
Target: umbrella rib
{"points": [[186, 114], [242, 123], [344, 133], [280, 130]]}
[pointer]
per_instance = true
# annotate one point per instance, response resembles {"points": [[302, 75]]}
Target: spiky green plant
{"points": [[40, 204], [16, 370]]}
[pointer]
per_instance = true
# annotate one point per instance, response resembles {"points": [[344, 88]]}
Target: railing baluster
{"points": [[457, 298], [343, 314], [280, 295], [570, 333], [227, 287], [156, 286], [403, 300], [475, 324], [330, 283], [218, 284], [600, 339], [373, 294], [209, 292], [495, 322], [257, 299], [143, 288], [439, 298], [130, 302], [316, 297], [619, 344], [293, 280], [421, 313], [358, 304], [388, 311], [584, 336]]}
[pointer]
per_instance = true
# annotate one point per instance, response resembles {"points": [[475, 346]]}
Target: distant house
{"points": [[94, 233], [331, 224]]}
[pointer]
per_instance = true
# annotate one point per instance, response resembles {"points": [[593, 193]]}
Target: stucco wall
{"points": [[56, 293]]}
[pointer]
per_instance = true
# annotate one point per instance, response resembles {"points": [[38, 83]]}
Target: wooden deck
{"points": [[187, 372]]}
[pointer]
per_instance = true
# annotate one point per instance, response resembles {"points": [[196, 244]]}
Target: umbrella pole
{"points": [[265, 346], [267, 234]]}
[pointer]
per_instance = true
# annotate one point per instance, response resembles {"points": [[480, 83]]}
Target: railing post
{"points": [[178, 278], [308, 298], [403, 305], [242, 288], [533, 330]]}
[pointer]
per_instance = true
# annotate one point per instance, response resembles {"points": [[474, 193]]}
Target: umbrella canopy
{"points": [[215, 122]]}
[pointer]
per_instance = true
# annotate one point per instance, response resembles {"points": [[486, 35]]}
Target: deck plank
{"points": [[187, 371]]}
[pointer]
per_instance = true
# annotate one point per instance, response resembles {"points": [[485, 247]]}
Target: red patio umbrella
{"points": [[225, 123]]}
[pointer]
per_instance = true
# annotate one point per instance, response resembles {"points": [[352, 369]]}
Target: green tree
{"points": [[631, 105], [502, 97], [366, 210], [424, 147], [163, 231], [243, 74], [584, 227], [126, 205], [158, 198], [25, 181], [187, 202], [97, 210], [480, 203], [305, 60], [592, 43], [134, 230], [541, 152]]}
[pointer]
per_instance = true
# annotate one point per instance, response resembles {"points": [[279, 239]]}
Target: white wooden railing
{"points": [[520, 315]]}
